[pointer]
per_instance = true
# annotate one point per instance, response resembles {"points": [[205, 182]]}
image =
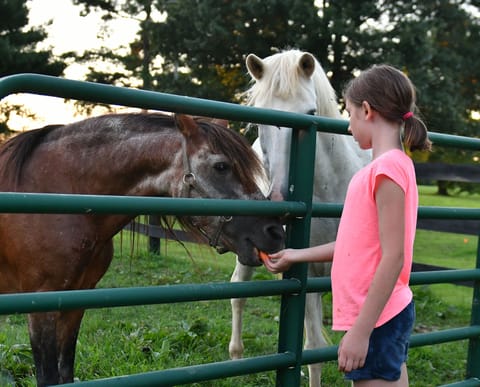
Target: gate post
{"points": [[292, 310], [473, 357], [154, 242]]}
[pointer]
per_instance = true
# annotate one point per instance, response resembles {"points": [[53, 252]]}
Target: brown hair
{"points": [[392, 95]]}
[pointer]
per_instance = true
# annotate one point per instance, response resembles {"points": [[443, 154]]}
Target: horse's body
{"points": [[294, 81], [130, 154]]}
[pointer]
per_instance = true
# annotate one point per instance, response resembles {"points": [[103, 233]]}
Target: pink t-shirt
{"points": [[357, 248]]}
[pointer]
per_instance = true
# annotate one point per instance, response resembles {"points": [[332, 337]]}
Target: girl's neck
{"points": [[385, 138]]}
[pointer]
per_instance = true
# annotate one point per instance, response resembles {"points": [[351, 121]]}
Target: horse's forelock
{"points": [[246, 164]]}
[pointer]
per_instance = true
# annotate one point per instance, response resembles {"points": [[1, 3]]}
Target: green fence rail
{"points": [[290, 356]]}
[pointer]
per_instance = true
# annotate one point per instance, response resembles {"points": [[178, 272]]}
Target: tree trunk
{"points": [[442, 187]]}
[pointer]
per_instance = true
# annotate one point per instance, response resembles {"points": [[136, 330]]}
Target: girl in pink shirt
{"points": [[372, 255]]}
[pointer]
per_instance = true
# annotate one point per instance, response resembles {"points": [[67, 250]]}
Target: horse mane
{"points": [[244, 161], [19, 148], [284, 82]]}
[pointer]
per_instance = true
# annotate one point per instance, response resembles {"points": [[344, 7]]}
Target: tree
{"points": [[136, 66], [436, 43], [342, 39], [18, 50], [212, 38], [192, 51], [200, 46]]}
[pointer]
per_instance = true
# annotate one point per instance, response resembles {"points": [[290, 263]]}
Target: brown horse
{"points": [[123, 154]]}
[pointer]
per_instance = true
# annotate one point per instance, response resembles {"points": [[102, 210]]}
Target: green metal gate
{"points": [[290, 356]]}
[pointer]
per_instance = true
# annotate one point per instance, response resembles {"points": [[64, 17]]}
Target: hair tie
{"points": [[407, 115]]}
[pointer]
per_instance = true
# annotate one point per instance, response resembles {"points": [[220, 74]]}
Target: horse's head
{"points": [[218, 163], [291, 81]]}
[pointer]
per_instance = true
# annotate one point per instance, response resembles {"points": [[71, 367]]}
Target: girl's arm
{"points": [[390, 200], [282, 260]]}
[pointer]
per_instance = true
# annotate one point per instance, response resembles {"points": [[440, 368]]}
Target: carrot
{"points": [[263, 256]]}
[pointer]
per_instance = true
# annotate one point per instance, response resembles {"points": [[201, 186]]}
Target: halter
{"points": [[189, 183]]}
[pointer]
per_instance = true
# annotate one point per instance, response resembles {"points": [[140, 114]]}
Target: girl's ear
{"points": [[367, 110]]}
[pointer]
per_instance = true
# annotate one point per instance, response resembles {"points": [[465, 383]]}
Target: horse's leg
{"points": [[42, 329], [54, 335], [67, 333], [313, 333], [68, 324], [241, 273]]}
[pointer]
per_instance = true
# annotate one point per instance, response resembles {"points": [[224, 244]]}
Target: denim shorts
{"points": [[388, 348]]}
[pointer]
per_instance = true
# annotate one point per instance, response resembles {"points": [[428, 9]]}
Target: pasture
{"points": [[117, 341]]}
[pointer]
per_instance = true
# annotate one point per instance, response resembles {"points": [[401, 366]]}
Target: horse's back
{"points": [[40, 251]]}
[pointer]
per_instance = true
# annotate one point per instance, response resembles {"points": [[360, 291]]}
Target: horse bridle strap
{"points": [[189, 183], [189, 179]]}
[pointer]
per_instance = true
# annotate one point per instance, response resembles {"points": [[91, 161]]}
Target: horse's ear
{"points": [[216, 121], [254, 66], [306, 64], [221, 122], [186, 124]]}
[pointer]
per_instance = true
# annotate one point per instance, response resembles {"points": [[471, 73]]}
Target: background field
{"points": [[117, 341]]}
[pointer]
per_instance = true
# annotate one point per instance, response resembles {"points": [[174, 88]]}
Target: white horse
{"points": [[294, 81]]}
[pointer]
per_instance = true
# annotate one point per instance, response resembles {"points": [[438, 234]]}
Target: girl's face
{"points": [[358, 127]]}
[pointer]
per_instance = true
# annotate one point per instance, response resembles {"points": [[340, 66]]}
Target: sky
{"points": [[67, 31]]}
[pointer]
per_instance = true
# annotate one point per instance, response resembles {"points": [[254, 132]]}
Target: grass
{"points": [[428, 197], [448, 250], [443, 305], [119, 341]]}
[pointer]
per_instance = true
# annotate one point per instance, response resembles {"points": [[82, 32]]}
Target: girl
{"points": [[372, 255]]}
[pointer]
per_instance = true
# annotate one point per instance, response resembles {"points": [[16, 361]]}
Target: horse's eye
{"points": [[312, 112], [221, 167]]}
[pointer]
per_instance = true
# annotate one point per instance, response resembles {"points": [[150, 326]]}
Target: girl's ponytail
{"points": [[415, 135]]}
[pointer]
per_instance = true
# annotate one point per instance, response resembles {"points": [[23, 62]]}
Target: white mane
{"points": [[282, 79]]}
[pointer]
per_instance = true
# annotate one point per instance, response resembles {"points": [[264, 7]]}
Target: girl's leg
{"points": [[402, 382]]}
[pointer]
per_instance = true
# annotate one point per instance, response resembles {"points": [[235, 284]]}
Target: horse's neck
{"points": [[146, 166], [338, 158], [140, 164]]}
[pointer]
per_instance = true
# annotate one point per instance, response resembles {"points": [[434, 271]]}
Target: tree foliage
{"points": [[18, 44], [435, 42], [199, 48], [135, 67]]}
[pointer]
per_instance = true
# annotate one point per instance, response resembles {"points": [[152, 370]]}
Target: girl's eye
{"points": [[221, 167]]}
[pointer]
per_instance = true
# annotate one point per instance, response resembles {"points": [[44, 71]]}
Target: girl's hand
{"points": [[282, 260], [352, 351], [279, 261]]}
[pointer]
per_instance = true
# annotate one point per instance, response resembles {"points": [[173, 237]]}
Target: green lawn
{"points": [[444, 249], [118, 341], [428, 197]]}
